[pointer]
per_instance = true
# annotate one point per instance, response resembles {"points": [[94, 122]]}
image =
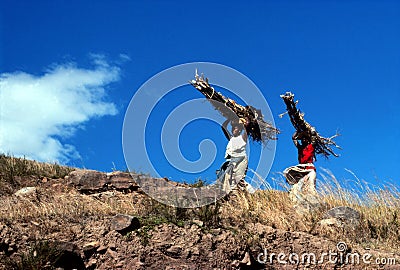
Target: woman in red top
{"points": [[305, 144], [305, 148]]}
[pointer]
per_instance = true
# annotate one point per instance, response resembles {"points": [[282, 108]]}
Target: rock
{"points": [[198, 222], [124, 223], [88, 181], [66, 246], [137, 263], [25, 191], [329, 226], [112, 253], [174, 250], [120, 264], [222, 237], [330, 222], [70, 255], [338, 220], [35, 223], [246, 259], [112, 246], [92, 263], [195, 251], [90, 248], [101, 249], [105, 195], [122, 181], [345, 214]]}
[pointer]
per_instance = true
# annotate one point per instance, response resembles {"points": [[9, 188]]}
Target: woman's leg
{"points": [[239, 173], [309, 183], [297, 190]]}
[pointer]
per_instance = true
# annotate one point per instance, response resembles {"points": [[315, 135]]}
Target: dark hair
{"points": [[237, 124]]}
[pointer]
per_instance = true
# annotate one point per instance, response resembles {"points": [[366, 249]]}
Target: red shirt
{"points": [[306, 155]]}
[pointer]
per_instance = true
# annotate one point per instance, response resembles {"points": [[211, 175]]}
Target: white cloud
{"points": [[124, 57], [36, 111]]}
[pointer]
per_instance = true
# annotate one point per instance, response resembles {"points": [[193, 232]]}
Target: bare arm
{"points": [[245, 122], [225, 129], [244, 135], [294, 138]]}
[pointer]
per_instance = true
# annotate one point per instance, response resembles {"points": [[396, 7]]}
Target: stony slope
{"points": [[93, 220]]}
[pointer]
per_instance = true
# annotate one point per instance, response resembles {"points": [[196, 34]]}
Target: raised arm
{"points": [[295, 137], [313, 137], [225, 129], [245, 122], [244, 135]]}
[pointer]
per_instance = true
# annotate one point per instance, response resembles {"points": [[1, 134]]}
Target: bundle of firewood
{"points": [[257, 128], [322, 145]]}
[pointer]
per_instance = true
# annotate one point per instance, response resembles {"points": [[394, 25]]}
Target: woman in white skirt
{"points": [[236, 154], [303, 175]]}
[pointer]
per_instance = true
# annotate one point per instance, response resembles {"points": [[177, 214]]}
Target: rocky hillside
{"points": [[82, 219]]}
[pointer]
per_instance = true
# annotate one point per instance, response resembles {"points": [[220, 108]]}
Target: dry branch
{"points": [[323, 145], [258, 129]]}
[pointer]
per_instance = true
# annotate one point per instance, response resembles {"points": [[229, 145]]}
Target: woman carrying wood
{"points": [[236, 154], [305, 144], [309, 144]]}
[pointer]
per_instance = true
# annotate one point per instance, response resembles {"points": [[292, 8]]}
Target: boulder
{"points": [[90, 248], [88, 181], [174, 251], [124, 223], [338, 220], [345, 214], [122, 181], [69, 257], [26, 191]]}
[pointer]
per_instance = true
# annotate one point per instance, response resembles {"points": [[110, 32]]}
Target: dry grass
{"points": [[379, 208], [47, 204], [12, 167]]}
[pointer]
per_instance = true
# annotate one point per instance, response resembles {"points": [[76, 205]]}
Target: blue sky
{"points": [[70, 68]]}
